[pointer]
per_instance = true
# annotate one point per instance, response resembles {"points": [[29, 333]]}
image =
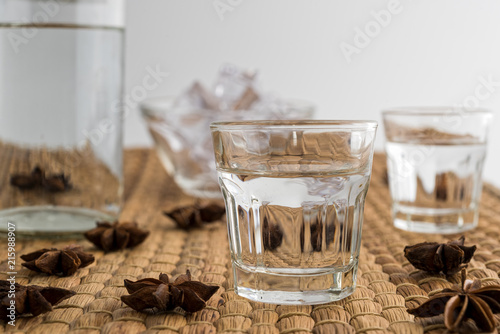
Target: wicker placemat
{"points": [[387, 283]]}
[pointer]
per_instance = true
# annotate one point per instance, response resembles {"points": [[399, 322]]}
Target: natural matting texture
{"points": [[94, 186], [387, 283]]}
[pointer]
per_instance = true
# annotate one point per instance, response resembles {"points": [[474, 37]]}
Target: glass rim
{"points": [[434, 111], [295, 124], [164, 105]]}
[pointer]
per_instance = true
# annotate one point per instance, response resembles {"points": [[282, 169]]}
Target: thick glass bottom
{"points": [[430, 220], [51, 221], [295, 289]]}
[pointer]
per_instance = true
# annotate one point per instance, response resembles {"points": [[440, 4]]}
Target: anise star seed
{"points": [[64, 262], [29, 299], [272, 235], [162, 295], [37, 179], [28, 181], [116, 236], [56, 183], [316, 237], [459, 304], [196, 215], [433, 257]]}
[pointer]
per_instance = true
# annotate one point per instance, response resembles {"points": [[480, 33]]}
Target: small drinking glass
{"points": [[294, 194], [435, 158]]}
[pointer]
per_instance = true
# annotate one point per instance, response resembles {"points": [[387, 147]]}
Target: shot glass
{"points": [[435, 158], [294, 194]]}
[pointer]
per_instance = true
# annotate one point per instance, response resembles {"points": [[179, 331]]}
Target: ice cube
{"points": [[271, 107], [246, 100], [196, 97], [231, 84]]}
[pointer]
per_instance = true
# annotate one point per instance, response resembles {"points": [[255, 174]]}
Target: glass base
{"points": [[51, 221], [435, 221], [295, 289]]}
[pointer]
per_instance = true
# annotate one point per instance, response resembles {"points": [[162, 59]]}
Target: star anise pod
{"points": [[272, 235], [442, 186], [37, 179], [115, 236], [316, 237], [28, 299], [56, 183], [461, 303], [28, 181], [434, 257], [162, 295], [64, 262], [196, 215]]}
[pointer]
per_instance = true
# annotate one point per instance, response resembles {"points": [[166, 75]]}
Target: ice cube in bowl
{"points": [[184, 144]]}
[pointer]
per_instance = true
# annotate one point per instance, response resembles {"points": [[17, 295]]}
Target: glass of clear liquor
{"points": [[61, 75], [435, 158], [294, 194]]}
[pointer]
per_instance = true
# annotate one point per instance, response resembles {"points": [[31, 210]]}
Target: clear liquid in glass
{"points": [[435, 188], [60, 92], [294, 237]]}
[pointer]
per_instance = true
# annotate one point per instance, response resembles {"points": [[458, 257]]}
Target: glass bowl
{"points": [[183, 141]]}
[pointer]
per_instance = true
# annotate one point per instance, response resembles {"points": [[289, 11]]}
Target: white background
{"points": [[430, 53]]}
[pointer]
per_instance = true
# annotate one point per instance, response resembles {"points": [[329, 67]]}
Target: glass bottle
{"points": [[61, 75]]}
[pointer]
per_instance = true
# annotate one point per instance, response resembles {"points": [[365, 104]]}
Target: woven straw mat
{"points": [[386, 285]]}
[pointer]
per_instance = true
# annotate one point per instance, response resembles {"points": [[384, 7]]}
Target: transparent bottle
{"points": [[61, 74]]}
